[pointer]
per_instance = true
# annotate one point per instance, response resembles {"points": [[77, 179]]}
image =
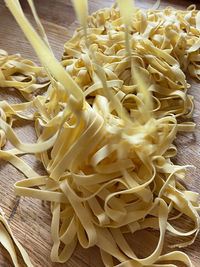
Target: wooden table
{"points": [[30, 218]]}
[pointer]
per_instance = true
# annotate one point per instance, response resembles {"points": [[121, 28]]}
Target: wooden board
{"points": [[30, 218]]}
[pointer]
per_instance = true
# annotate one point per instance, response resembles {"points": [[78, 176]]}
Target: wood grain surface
{"points": [[30, 218]]}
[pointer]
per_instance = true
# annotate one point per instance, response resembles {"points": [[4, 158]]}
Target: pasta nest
{"points": [[108, 156]]}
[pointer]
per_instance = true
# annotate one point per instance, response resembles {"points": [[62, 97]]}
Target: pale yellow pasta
{"points": [[164, 46], [105, 129], [9, 242]]}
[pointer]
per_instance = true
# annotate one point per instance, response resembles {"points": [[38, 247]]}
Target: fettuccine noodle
{"points": [[105, 130]]}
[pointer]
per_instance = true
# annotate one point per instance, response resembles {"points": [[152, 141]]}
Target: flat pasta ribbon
{"points": [[105, 129]]}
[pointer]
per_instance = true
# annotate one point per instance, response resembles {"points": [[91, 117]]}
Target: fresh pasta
{"points": [[105, 129]]}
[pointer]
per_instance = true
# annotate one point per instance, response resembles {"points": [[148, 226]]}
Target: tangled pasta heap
{"points": [[105, 129]]}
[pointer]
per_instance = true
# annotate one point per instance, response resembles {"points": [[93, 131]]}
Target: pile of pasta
{"points": [[105, 129]]}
